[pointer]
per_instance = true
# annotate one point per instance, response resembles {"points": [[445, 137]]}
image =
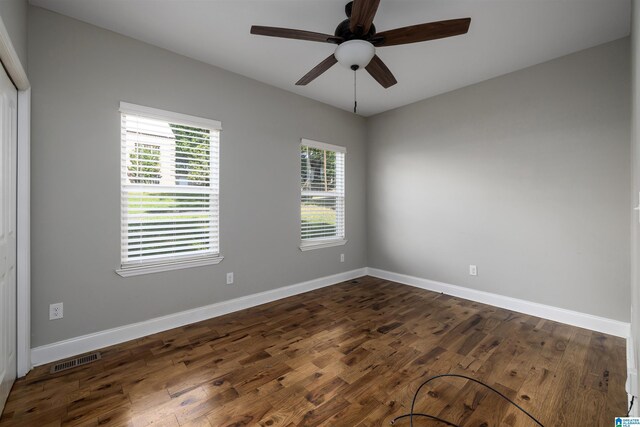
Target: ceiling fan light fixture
{"points": [[355, 54]]}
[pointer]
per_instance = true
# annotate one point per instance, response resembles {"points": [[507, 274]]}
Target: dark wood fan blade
{"points": [[289, 33], [423, 32], [380, 72], [317, 70], [362, 13]]}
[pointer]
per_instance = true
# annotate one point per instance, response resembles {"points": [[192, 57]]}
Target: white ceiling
{"points": [[505, 35]]}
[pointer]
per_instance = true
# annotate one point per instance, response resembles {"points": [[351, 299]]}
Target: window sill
{"points": [[137, 270], [317, 244]]}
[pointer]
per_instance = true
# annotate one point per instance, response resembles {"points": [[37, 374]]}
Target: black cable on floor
{"points": [[418, 414], [412, 414], [631, 405]]}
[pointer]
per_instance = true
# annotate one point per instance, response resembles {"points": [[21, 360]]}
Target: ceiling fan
{"points": [[357, 40]]}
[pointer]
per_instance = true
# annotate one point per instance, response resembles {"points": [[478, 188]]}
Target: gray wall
{"points": [[79, 74], [14, 17], [526, 175]]}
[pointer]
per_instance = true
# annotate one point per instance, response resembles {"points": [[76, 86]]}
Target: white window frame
{"points": [[178, 262], [317, 243]]}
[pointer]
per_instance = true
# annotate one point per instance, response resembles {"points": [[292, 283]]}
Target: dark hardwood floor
{"points": [[352, 354]]}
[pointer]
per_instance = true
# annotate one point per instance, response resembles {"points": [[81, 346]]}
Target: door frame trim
{"points": [[11, 62], [23, 235]]}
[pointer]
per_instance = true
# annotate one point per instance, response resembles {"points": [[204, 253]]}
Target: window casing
{"points": [[169, 190], [322, 195]]}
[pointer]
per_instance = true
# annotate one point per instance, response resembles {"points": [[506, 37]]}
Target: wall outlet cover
{"points": [[473, 270], [56, 311]]}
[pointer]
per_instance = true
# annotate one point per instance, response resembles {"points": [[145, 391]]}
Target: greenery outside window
{"points": [[322, 194]]}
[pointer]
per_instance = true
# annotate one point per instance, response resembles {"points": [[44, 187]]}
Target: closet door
{"points": [[8, 149]]}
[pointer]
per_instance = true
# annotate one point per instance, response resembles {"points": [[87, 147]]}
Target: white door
{"points": [[8, 147]]}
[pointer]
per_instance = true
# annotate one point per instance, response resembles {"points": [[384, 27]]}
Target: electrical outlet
{"points": [[55, 311], [473, 270], [341, 257], [230, 278]]}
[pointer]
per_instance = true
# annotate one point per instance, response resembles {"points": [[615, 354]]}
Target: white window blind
{"points": [[169, 187], [322, 195]]}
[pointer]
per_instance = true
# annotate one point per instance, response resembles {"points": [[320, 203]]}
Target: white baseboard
{"points": [[74, 346], [575, 318], [78, 345]]}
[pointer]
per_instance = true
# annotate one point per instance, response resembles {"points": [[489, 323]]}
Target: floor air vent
{"points": [[78, 361]]}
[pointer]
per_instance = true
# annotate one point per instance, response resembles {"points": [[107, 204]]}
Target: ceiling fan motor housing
{"points": [[343, 30]]}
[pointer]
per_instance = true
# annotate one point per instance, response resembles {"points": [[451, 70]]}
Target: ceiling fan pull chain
{"points": [[355, 99]]}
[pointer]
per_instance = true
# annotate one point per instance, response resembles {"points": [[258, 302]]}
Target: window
{"points": [[169, 190], [322, 208]]}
